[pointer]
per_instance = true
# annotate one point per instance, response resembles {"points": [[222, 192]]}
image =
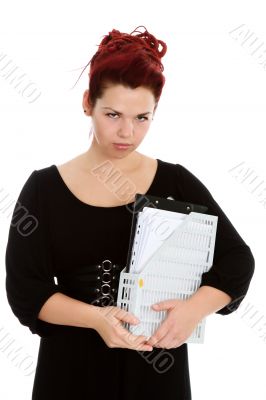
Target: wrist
{"points": [[195, 308], [207, 300], [93, 316]]}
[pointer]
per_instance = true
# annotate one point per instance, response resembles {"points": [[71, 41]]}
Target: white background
{"points": [[211, 117]]}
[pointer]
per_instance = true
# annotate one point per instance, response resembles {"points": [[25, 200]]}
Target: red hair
{"points": [[127, 59]]}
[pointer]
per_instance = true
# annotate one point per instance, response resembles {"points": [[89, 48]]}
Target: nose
{"points": [[126, 129]]}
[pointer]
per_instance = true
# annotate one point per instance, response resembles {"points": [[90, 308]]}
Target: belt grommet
{"points": [[107, 265]]}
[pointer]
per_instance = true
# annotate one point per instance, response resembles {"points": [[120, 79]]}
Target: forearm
{"points": [[207, 300], [64, 310]]}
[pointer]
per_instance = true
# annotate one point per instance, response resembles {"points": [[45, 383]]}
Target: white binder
{"points": [[172, 244]]}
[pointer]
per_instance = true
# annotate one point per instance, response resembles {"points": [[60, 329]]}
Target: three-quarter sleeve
{"points": [[233, 262], [29, 275]]}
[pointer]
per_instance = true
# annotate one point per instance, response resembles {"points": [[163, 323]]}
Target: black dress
{"points": [[54, 234]]}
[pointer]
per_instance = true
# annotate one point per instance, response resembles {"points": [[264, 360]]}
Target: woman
{"points": [[69, 238]]}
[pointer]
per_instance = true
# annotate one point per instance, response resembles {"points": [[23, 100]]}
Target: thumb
{"points": [[164, 305], [130, 318]]}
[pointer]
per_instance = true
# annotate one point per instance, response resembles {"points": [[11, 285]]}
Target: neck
{"points": [[93, 157]]}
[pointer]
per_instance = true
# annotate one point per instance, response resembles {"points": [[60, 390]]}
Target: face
{"points": [[122, 115]]}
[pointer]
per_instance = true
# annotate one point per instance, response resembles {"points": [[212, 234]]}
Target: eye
{"points": [[111, 114], [145, 118], [114, 114]]}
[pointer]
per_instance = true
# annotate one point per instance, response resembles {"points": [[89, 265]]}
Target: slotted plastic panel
{"points": [[172, 272]]}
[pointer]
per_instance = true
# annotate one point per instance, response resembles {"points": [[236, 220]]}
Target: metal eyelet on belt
{"points": [[106, 277], [107, 301], [108, 273], [106, 289], [107, 265]]}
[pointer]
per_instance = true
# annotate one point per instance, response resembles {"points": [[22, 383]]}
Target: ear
{"points": [[86, 103]]}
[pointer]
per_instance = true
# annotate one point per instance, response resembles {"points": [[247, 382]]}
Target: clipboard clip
{"points": [[168, 204]]}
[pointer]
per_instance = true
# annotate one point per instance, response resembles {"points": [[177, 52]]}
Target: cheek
{"points": [[142, 131], [103, 129]]}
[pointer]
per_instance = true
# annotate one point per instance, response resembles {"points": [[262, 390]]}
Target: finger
{"points": [[131, 337], [154, 342], [171, 340], [144, 347], [166, 341], [159, 334], [134, 340], [139, 343], [131, 319], [121, 314], [165, 304]]}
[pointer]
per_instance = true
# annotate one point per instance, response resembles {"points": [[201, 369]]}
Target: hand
{"points": [[179, 324], [108, 325]]}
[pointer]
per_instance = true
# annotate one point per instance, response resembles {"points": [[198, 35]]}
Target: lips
{"points": [[121, 146]]}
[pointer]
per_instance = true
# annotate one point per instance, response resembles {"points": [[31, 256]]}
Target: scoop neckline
{"points": [[74, 197]]}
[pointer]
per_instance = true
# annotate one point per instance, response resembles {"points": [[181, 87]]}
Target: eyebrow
{"points": [[118, 112]]}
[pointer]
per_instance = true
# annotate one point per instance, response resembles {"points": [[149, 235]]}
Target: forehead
{"points": [[122, 96]]}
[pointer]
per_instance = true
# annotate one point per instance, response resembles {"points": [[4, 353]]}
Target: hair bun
{"points": [[115, 40], [132, 53], [152, 42]]}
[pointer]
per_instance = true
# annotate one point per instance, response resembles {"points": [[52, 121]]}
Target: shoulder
{"points": [[45, 175], [35, 185], [184, 173], [42, 172], [171, 168], [167, 165], [185, 179]]}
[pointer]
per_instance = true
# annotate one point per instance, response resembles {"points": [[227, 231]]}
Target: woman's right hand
{"points": [[108, 324]]}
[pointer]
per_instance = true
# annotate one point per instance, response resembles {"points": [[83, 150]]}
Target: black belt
{"points": [[96, 284]]}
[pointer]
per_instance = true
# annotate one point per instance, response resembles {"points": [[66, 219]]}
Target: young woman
{"points": [[73, 221]]}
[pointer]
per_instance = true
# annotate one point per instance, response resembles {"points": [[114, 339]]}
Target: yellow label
{"points": [[141, 282]]}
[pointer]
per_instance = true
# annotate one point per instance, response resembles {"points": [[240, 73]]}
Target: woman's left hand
{"points": [[181, 320]]}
